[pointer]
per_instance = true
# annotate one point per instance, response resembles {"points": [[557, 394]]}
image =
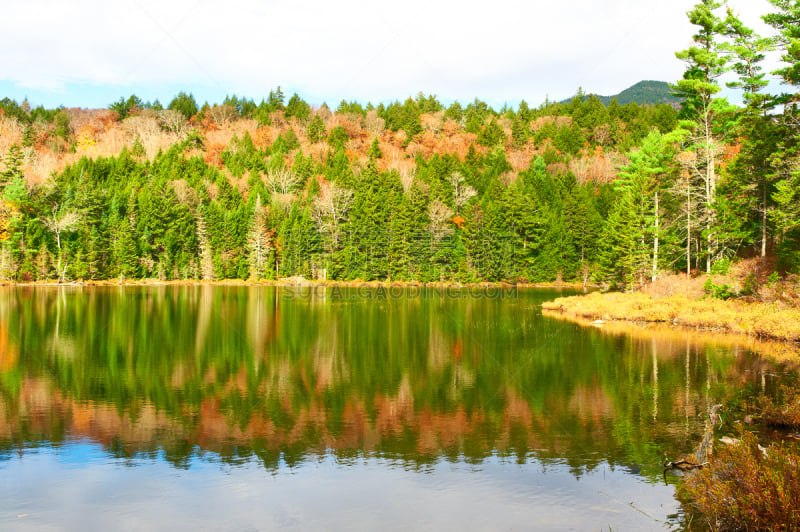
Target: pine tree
{"points": [[258, 241], [369, 225], [297, 108], [127, 251], [644, 180], [13, 162], [622, 257], [400, 236], [705, 64], [374, 151], [585, 223], [786, 20], [316, 129], [29, 135], [185, 104], [751, 168], [275, 100], [206, 252], [526, 228], [520, 131], [492, 135]]}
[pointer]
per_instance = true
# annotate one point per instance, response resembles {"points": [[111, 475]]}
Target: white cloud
{"points": [[501, 51]]}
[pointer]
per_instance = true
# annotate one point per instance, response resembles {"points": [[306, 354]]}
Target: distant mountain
{"points": [[644, 92]]}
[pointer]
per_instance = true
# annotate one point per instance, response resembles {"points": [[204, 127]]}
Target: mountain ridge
{"points": [[643, 92]]}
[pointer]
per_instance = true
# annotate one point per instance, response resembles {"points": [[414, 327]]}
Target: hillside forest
{"points": [[418, 190]]}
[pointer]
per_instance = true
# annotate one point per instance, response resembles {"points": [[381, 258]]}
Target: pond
{"points": [[256, 408]]}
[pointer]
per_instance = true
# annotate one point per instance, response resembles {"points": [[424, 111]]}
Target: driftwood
{"points": [[684, 465], [704, 449]]}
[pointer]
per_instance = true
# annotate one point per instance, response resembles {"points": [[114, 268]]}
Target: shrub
{"points": [[784, 413], [751, 285], [746, 488], [721, 267], [718, 291]]}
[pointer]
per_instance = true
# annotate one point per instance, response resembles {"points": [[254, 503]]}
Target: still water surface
{"points": [[256, 408]]}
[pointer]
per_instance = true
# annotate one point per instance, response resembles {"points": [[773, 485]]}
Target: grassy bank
{"points": [[759, 319]]}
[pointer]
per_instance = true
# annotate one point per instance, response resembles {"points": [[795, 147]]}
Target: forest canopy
{"points": [[418, 190]]}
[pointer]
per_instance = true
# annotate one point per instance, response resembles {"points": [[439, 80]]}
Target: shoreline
{"points": [[776, 350], [767, 321], [299, 283]]}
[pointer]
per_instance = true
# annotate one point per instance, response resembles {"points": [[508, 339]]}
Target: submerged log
{"points": [[704, 449], [684, 465]]}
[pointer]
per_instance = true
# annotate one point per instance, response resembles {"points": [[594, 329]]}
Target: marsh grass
{"points": [[762, 320]]}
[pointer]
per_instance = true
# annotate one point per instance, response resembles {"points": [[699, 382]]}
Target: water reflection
{"points": [[284, 377]]}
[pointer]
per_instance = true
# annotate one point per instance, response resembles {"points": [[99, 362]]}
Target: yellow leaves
{"points": [[7, 213], [85, 140]]}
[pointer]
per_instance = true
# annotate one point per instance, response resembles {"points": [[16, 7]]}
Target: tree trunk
{"points": [[710, 188], [655, 242], [688, 228], [764, 223], [206, 259]]}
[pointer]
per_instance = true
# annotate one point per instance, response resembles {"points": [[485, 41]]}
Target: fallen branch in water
{"points": [[704, 449], [683, 465]]}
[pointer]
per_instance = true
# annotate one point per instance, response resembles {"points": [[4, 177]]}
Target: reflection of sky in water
{"points": [[78, 487]]}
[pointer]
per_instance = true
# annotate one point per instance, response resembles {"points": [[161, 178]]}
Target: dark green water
{"points": [[251, 408]]}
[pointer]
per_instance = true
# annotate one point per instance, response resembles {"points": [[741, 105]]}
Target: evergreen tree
{"points": [[622, 257], [492, 135], [374, 151], [585, 223], [125, 108], [368, 226], [275, 99], [337, 138], [642, 183], [400, 237], [297, 108], [316, 129], [705, 64], [520, 131], [455, 112], [13, 162], [569, 139], [185, 104], [786, 19]]}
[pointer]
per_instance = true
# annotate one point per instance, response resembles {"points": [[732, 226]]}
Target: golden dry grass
{"points": [[673, 340], [762, 320]]}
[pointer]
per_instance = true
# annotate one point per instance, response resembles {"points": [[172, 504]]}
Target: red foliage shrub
{"points": [[746, 488]]}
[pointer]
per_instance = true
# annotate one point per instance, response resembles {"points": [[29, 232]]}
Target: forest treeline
{"points": [[417, 190]]}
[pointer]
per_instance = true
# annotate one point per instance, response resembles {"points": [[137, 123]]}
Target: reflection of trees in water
{"points": [[249, 372]]}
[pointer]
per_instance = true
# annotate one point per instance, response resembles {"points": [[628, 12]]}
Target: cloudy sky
{"points": [[89, 53]]}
